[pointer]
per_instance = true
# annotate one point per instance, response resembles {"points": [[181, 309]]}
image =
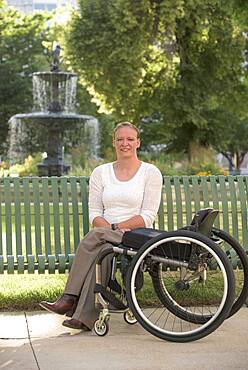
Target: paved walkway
{"points": [[31, 341]]}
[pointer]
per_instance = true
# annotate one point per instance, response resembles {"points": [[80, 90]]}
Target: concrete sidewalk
{"points": [[31, 341]]}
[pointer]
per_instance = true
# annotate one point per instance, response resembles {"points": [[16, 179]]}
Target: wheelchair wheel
{"points": [[198, 284], [101, 328], [129, 317], [239, 260]]}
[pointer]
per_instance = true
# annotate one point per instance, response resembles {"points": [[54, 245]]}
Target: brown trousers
{"points": [[82, 277]]}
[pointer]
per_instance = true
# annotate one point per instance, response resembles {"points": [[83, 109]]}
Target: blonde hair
{"points": [[125, 124]]}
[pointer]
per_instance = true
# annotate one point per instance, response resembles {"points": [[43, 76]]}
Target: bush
{"points": [[207, 169], [167, 168], [168, 165], [28, 168], [177, 166], [87, 169]]}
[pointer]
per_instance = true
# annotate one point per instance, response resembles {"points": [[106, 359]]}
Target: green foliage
{"points": [[181, 61], [86, 104], [111, 44], [85, 169], [186, 169], [177, 165], [206, 169], [210, 74], [21, 53], [178, 65], [27, 168], [230, 136]]}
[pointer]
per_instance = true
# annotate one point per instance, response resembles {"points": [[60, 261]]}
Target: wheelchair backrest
{"points": [[203, 221]]}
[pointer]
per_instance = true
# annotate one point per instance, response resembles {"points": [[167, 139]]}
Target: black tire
{"points": [[239, 260], [129, 318], [172, 250], [101, 328]]}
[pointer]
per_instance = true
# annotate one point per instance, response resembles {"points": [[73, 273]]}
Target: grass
{"points": [[24, 292], [208, 293]]}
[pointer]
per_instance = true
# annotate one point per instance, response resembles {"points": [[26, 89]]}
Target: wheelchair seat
{"points": [[136, 238]]}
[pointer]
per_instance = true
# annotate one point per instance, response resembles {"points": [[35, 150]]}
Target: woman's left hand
{"points": [[124, 230]]}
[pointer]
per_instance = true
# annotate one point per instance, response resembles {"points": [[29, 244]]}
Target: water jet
{"points": [[53, 122]]}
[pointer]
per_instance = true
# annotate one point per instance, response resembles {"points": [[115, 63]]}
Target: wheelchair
{"points": [[179, 285]]}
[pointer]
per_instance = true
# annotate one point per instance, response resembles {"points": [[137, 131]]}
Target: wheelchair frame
{"points": [[195, 268]]}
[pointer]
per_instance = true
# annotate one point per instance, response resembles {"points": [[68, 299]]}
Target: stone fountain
{"points": [[53, 123]]}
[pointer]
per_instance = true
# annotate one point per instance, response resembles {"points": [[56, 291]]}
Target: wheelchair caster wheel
{"points": [[101, 328], [129, 317]]}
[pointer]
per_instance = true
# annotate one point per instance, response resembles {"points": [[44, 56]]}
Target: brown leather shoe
{"points": [[71, 312], [75, 324], [62, 305]]}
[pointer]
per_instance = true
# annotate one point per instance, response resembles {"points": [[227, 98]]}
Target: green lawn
{"points": [[24, 292]]}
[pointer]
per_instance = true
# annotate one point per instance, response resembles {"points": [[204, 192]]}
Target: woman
{"points": [[123, 195]]}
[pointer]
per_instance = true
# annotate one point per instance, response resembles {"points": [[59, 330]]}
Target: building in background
{"points": [[30, 6], [25, 6]]}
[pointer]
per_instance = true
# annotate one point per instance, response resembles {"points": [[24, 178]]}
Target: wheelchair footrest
{"points": [[110, 297]]}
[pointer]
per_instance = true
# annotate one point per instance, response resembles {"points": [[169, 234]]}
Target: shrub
{"points": [[28, 168], [87, 169], [208, 169]]}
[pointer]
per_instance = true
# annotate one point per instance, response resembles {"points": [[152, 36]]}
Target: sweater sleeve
{"points": [[95, 194], [152, 195]]}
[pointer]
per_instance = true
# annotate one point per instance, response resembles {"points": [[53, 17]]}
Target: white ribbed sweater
{"points": [[117, 200]]}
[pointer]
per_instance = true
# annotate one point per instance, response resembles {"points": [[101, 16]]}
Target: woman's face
{"points": [[126, 142]]}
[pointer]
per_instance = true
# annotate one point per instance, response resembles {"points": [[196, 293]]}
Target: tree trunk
{"points": [[199, 154]]}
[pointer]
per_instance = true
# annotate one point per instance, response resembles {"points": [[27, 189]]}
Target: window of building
{"points": [[42, 6]]}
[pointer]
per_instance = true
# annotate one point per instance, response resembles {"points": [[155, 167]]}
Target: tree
{"points": [[21, 54], [176, 60], [209, 73], [109, 44], [230, 137]]}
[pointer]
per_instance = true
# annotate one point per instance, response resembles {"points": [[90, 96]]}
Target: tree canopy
{"points": [[177, 68], [21, 53], [174, 63]]}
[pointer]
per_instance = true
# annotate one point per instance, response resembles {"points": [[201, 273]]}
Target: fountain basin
{"points": [[46, 118], [47, 132]]}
